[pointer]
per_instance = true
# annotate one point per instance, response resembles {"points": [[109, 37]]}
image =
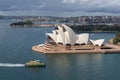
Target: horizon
{"points": [[59, 16]]}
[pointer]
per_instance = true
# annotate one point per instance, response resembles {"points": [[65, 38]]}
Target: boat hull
{"points": [[35, 65]]}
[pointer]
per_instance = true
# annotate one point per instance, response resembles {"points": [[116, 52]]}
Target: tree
{"points": [[117, 38]]}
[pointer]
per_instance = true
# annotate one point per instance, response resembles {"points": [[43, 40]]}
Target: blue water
{"points": [[15, 50]]}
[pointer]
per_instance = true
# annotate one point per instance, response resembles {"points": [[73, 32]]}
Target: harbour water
{"points": [[15, 50]]}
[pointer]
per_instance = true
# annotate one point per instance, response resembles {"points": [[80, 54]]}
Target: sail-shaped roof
{"points": [[83, 38], [98, 42], [69, 34], [65, 35]]}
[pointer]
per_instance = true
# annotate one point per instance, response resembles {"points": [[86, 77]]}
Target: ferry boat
{"points": [[35, 63]]}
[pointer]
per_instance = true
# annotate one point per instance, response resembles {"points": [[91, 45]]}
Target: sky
{"points": [[63, 8]]}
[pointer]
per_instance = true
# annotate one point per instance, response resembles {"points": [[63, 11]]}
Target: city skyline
{"points": [[62, 8]]}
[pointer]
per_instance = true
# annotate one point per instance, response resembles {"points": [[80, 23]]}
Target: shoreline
{"points": [[35, 26]]}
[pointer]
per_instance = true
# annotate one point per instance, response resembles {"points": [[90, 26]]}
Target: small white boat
{"points": [[35, 63]]}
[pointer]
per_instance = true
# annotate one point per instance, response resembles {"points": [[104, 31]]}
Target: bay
{"points": [[15, 48]]}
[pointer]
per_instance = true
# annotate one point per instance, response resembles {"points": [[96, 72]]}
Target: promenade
{"points": [[60, 49]]}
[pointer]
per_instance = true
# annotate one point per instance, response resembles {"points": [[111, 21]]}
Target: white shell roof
{"points": [[66, 35], [98, 42], [83, 38]]}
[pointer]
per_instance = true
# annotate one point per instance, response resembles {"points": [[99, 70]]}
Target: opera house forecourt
{"points": [[64, 40]]}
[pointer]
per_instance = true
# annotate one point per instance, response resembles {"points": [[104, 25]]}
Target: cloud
{"points": [[42, 5], [2, 13], [60, 7], [94, 5], [75, 1], [31, 13]]}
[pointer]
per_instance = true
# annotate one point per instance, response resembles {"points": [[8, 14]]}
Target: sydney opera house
{"points": [[64, 35], [64, 40]]}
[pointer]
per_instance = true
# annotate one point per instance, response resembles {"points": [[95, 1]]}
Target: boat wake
{"points": [[11, 65]]}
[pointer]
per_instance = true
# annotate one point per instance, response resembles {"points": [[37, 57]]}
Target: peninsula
{"points": [[22, 23], [65, 40]]}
